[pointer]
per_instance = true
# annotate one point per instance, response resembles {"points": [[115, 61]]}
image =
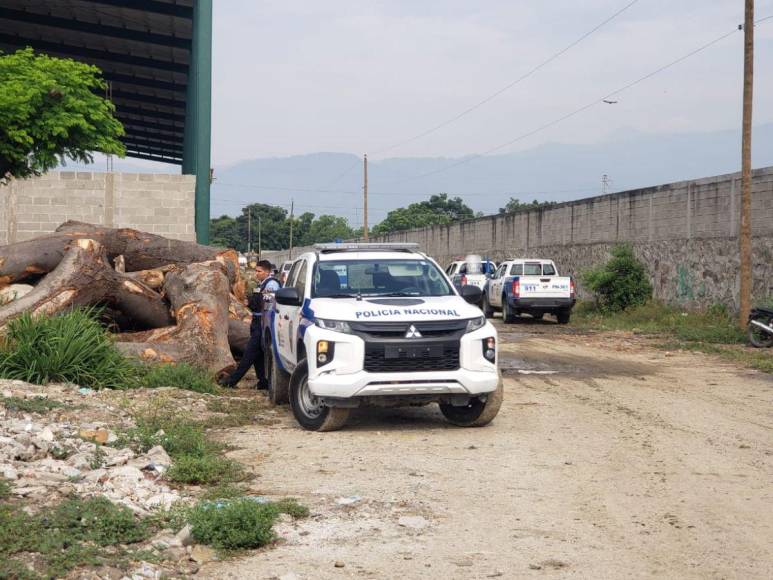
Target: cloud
{"points": [[305, 76]]}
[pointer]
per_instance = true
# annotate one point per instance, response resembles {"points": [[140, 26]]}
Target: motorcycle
{"points": [[760, 327]]}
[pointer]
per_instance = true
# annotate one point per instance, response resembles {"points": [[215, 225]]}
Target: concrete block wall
{"points": [[685, 232], [154, 202]]}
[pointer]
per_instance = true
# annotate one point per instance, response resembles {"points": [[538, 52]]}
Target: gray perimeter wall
{"points": [[153, 202], [685, 232]]}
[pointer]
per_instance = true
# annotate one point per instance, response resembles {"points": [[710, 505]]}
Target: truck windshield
{"points": [[377, 277]]}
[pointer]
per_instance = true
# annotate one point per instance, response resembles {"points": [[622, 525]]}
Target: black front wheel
{"points": [[758, 336], [479, 411], [278, 380], [308, 410], [488, 311], [508, 315]]}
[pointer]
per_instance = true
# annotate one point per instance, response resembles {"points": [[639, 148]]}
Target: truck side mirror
{"points": [[288, 297], [472, 294]]}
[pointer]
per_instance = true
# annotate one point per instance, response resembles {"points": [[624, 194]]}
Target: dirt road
{"points": [[609, 459]]}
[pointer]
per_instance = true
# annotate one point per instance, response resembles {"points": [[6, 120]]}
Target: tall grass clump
{"points": [[621, 283], [180, 375], [69, 347]]}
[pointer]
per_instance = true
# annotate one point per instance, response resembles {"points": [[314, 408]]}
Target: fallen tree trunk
{"points": [[152, 278], [199, 295], [141, 251], [83, 278]]}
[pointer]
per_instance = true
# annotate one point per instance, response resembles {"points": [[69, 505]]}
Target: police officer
{"points": [[253, 353]]}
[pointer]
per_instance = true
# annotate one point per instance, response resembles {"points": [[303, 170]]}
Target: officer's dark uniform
{"points": [[253, 352]]}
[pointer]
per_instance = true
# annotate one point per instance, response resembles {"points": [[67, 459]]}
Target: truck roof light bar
{"points": [[367, 247]]}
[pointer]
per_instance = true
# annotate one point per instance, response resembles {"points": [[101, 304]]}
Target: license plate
{"points": [[410, 352]]}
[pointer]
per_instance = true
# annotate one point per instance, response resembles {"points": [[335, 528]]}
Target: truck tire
{"points": [[563, 316], [311, 414], [508, 316], [477, 413], [488, 311], [278, 380]]}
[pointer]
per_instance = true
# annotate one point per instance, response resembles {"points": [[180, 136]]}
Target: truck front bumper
{"points": [[344, 377]]}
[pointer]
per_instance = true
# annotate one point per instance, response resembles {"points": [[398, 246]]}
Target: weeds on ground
{"points": [[181, 376], [195, 458], [239, 524], [77, 532], [714, 325], [74, 347], [713, 331], [71, 347], [235, 412], [35, 405], [5, 488]]}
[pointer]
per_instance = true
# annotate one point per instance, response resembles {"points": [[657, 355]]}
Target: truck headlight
{"points": [[490, 349], [334, 325], [476, 323]]}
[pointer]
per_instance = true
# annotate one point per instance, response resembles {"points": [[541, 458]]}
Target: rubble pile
{"points": [[46, 459]]}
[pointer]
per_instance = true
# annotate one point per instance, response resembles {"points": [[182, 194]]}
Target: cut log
{"points": [[199, 295], [152, 278], [238, 335], [83, 278], [141, 251]]}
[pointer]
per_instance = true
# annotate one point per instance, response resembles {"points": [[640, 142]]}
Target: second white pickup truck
{"points": [[529, 287]]}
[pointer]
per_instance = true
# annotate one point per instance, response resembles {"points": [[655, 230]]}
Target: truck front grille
{"points": [[444, 356]]}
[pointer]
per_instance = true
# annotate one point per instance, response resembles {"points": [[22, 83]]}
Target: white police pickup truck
{"points": [[378, 325], [529, 287]]}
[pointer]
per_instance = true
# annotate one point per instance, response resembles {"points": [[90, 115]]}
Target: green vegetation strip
{"points": [[74, 347], [714, 331]]}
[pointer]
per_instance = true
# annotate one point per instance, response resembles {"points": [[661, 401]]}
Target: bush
{"points": [[207, 469], [620, 283], [70, 347], [77, 532], [233, 525], [181, 376]]}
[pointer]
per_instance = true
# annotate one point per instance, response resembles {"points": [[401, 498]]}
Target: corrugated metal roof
{"points": [[142, 46]]}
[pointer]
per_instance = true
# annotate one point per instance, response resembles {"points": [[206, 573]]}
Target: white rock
{"points": [[126, 472], [46, 435], [159, 456], [413, 522], [162, 500], [185, 536], [9, 472]]}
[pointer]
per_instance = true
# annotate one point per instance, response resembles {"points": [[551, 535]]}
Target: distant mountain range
{"points": [[332, 182]]}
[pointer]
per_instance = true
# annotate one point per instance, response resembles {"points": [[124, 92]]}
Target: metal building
{"points": [[157, 58]]}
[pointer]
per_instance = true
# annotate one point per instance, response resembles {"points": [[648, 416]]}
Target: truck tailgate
{"points": [[545, 286]]}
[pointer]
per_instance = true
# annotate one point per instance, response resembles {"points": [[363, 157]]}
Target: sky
{"points": [[296, 77], [301, 76]]}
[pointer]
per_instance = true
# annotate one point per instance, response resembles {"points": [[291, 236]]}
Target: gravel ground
{"points": [[609, 459]]}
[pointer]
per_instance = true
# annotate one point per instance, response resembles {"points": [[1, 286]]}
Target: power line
{"points": [[395, 193], [508, 86], [578, 110]]}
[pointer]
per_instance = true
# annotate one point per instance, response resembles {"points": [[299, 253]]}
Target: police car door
{"points": [[495, 286], [291, 316]]}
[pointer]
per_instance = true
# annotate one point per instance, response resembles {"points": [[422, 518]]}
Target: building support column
{"points": [[198, 115]]}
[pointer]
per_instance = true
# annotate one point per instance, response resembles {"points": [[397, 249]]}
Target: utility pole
{"points": [[292, 207], [249, 230], [604, 184], [260, 245], [745, 231], [365, 200]]}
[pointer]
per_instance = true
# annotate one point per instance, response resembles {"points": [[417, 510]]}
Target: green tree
{"points": [[224, 232], [620, 283], [440, 209], [52, 109], [515, 205], [328, 228]]}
